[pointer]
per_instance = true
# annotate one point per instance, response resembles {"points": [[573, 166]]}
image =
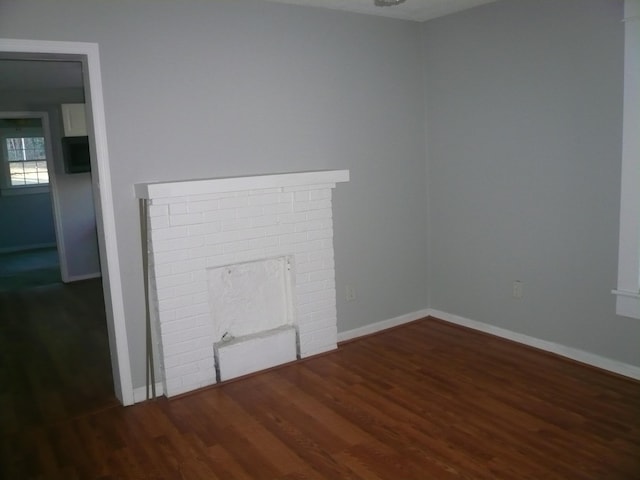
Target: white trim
{"points": [[581, 356], [105, 215], [236, 184], [629, 252], [573, 353], [383, 325]]}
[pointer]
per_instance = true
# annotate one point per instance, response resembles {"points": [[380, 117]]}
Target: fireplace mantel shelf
{"points": [[233, 184]]}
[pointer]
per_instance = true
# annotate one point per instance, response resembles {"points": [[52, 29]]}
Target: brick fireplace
{"points": [[241, 274]]}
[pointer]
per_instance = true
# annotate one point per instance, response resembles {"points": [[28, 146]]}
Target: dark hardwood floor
{"points": [[427, 400], [54, 355]]}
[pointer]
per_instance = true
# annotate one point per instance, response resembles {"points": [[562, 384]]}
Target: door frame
{"points": [[103, 199]]}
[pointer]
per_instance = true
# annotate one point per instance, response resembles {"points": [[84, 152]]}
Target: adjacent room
{"points": [[443, 189]]}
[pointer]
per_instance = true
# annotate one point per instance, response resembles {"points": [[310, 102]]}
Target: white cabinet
{"points": [[73, 117]]}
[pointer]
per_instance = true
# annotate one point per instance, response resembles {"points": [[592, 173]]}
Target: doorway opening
{"points": [[111, 290]]}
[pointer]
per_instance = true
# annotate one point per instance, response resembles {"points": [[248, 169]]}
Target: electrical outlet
{"points": [[350, 293], [517, 289]]}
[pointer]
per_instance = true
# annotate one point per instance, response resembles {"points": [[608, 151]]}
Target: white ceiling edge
{"points": [[414, 10]]}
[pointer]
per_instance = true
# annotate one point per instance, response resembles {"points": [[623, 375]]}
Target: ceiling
{"points": [[417, 10]]}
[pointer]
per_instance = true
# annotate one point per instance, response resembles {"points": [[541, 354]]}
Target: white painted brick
{"points": [[320, 204], [166, 317], [205, 251], [311, 287], [253, 233], [174, 326], [222, 237], [219, 261], [321, 254], [263, 242], [317, 297], [192, 288], [174, 386], [301, 206], [216, 215], [203, 206], [198, 333], [316, 214], [301, 196], [235, 246], [326, 274], [170, 256], [194, 356], [204, 228], [234, 202], [159, 222], [173, 303], [276, 251], [158, 210], [192, 310], [187, 219], [177, 208], [286, 197], [249, 212], [235, 224], [172, 280], [308, 247], [181, 370], [308, 267], [320, 234], [314, 225], [160, 270], [314, 307], [168, 233], [330, 313], [264, 220], [320, 194], [281, 229], [250, 255], [264, 199], [292, 218], [177, 244], [179, 347], [188, 266], [302, 278], [319, 325], [278, 209], [292, 238]]}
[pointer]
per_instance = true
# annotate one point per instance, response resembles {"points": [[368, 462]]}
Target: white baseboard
{"points": [[383, 325], [562, 350], [140, 393]]}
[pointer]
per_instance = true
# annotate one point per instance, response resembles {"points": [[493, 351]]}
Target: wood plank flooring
{"points": [[427, 400], [54, 355]]}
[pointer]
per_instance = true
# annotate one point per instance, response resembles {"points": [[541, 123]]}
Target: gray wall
{"points": [[75, 194], [524, 109], [26, 222], [206, 89]]}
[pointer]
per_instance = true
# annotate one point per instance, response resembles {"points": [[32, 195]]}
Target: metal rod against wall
{"points": [[144, 233]]}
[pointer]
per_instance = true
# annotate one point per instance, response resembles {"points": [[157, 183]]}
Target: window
{"points": [[25, 148], [27, 161]]}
